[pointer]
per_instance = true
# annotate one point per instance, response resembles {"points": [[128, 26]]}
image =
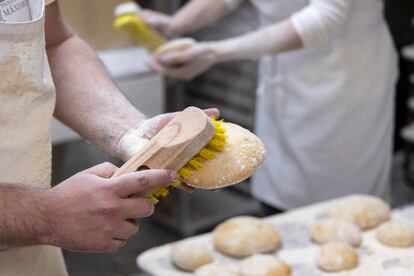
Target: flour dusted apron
{"points": [[325, 114], [27, 99]]}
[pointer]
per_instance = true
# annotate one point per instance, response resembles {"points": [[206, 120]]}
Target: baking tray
{"points": [[298, 250]]}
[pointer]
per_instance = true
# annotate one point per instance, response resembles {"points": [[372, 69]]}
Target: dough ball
{"points": [[242, 155], [335, 230], [264, 265], [215, 269], [337, 256], [189, 255], [244, 236], [363, 210], [178, 44], [398, 233]]}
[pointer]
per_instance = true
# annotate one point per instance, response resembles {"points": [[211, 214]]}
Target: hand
{"points": [[137, 137], [185, 64], [160, 22], [90, 212]]}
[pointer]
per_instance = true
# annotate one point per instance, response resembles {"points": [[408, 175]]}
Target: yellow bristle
{"points": [[207, 153], [176, 183], [154, 200], [195, 163], [216, 145], [163, 191], [185, 172]]}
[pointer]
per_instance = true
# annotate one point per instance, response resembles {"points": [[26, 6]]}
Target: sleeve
{"points": [[232, 4], [321, 21], [48, 2]]}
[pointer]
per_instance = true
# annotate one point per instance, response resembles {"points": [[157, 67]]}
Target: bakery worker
{"points": [[325, 94], [87, 212]]}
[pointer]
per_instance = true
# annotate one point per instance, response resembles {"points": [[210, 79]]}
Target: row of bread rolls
{"points": [[338, 234], [240, 237], [342, 230], [194, 257], [255, 265]]}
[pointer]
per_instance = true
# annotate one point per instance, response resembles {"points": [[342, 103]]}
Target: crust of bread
{"points": [[188, 255], [244, 236], [216, 269], [365, 211], [176, 45], [396, 233], [337, 256], [335, 230], [264, 265], [243, 154]]}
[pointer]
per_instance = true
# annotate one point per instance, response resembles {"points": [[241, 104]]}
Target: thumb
{"points": [[104, 170]]}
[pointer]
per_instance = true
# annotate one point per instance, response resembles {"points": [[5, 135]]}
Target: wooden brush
{"points": [[180, 146]]}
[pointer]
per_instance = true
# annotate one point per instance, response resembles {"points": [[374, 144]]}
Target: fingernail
{"points": [[174, 176]]}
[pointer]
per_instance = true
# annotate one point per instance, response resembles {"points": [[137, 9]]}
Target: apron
{"points": [[27, 98], [326, 114]]}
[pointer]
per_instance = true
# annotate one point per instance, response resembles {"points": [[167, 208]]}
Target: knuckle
{"points": [[110, 209], [142, 180]]}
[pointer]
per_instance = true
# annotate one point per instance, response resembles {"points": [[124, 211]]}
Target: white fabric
{"points": [[27, 100], [48, 2], [322, 21], [232, 4], [15, 11], [325, 113]]}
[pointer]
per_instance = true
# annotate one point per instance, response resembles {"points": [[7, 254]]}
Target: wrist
{"points": [[45, 233], [176, 27], [217, 52]]}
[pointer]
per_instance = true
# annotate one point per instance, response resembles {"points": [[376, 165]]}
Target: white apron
{"points": [[27, 99], [326, 115]]}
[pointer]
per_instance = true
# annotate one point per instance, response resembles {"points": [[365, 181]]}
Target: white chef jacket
{"points": [[325, 112]]}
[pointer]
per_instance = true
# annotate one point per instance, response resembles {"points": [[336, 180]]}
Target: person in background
{"points": [[88, 212], [325, 95]]}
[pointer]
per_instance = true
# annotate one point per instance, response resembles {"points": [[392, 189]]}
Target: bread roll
{"points": [[189, 255], [215, 269], [337, 256], [243, 154], [176, 45], [397, 233], [264, 265], [335, 230], [243, 236], [363, 210]]}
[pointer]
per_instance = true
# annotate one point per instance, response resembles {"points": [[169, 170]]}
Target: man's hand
{"points": [[90, 212], [138, 136]]}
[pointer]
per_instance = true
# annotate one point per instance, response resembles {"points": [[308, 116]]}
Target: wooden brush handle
{"points": [[175, 145]]}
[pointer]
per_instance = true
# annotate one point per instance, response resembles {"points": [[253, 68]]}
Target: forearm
{"points": [[197, 14], [273, 39], [23, 217], [87, 99]]}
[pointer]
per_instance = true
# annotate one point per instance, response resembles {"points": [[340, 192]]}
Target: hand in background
{"points": [[185, 64]]}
